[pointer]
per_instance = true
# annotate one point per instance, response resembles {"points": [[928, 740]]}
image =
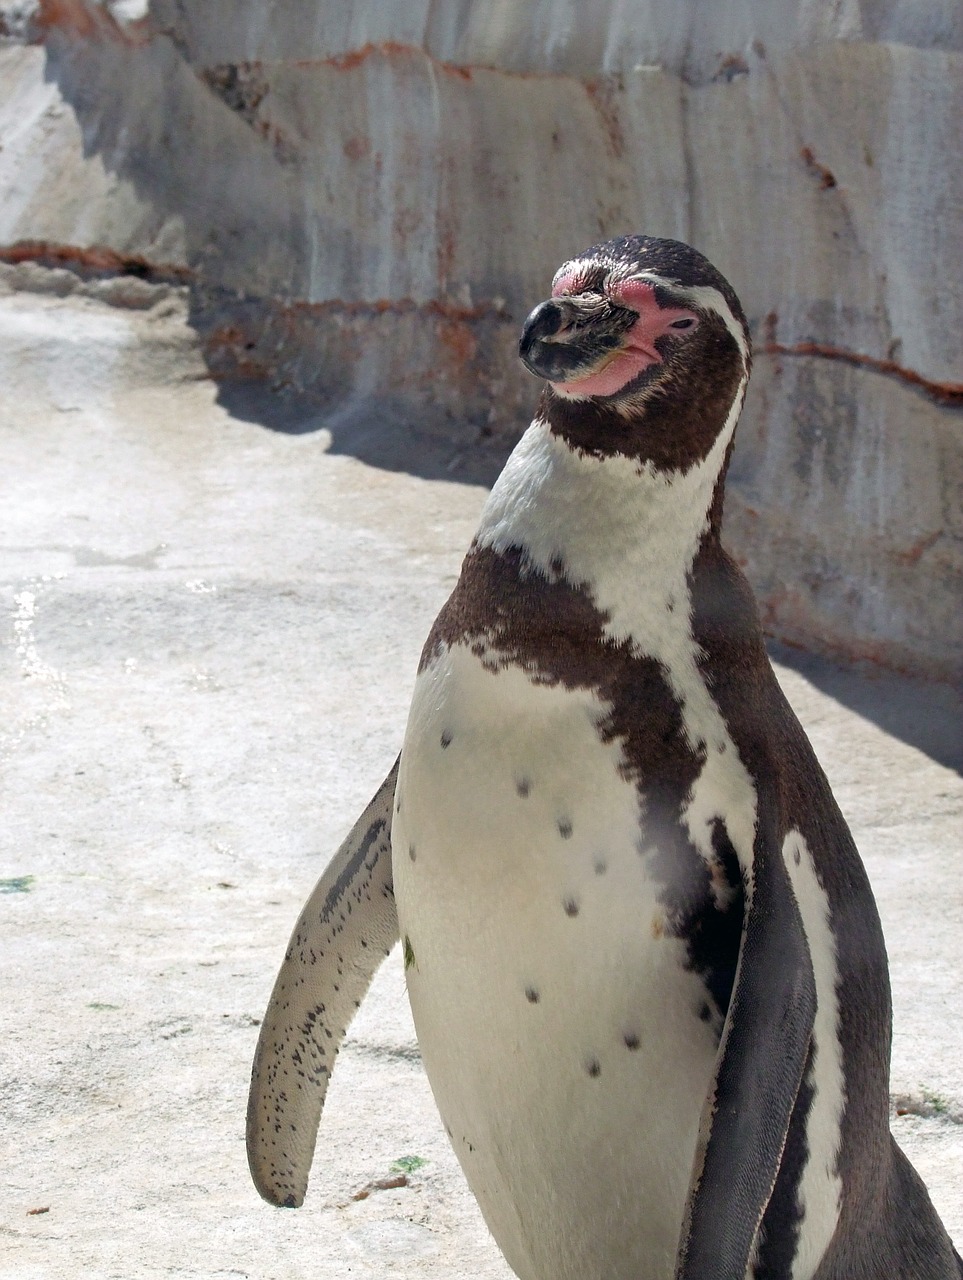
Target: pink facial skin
{"points": [[638, 351], [566, 282]]}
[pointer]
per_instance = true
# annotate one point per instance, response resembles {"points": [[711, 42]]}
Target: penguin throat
{"points": [[624, 530], [658, 429]]}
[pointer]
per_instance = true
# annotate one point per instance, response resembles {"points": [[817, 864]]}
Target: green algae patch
{"points": [[17, 884]]}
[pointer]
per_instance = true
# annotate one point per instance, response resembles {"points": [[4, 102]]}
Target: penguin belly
{"points": [[562, 1033]]}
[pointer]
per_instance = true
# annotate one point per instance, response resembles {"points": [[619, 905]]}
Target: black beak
{"points": [[565, 337], [544, 322]]}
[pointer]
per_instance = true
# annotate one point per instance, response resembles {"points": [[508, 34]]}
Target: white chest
{"points": [[559, 1026]]}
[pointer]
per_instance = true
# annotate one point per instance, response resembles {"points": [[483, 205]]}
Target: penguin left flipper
{"points": [[347, 927], [760, 1065]]}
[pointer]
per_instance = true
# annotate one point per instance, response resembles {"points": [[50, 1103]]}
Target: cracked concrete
{"points": [[211, 608]]}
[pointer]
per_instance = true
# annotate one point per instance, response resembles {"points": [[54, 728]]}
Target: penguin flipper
{"points": [[347, 927], [759, 1068]]}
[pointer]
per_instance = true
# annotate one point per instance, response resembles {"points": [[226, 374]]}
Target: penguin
{"points": [[643, 957]]}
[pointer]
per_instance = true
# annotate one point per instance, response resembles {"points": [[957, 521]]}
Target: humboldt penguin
{"points": [[643, 957]]}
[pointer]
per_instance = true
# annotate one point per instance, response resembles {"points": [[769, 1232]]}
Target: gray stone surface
{"points": [[367, 199], [210, 620]]}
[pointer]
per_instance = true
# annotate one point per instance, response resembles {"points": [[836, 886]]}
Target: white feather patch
{"points": [[820, 1189]]}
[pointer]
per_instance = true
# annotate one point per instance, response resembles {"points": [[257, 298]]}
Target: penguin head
{"points": [[636, 330]]}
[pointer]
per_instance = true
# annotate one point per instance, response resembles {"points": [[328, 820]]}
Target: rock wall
{"points": [[366, 200]]}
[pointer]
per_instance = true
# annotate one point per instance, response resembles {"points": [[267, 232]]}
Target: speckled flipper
{"points": [[347, 927], [761, 1062]]}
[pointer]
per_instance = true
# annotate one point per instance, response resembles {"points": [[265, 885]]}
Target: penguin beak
{"points": [[565, 338]]}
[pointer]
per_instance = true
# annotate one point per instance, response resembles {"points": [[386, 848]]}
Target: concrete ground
{"points": [[212, 610]]}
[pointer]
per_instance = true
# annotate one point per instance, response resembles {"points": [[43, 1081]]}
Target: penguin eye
{"points": [[687, 322]]}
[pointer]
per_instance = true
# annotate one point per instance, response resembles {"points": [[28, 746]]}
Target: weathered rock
{"points": [[365, 201]]}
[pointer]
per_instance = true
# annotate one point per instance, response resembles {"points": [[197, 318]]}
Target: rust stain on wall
{"points": [[827, 179], [950, 393], [391, 50], [90, 22], [95, 260], [603, 95], [397, 51], [913, 554], [457, 337]]}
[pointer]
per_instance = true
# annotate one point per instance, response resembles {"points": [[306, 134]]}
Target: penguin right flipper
{"points": [[347, 927], [759, 1068]]}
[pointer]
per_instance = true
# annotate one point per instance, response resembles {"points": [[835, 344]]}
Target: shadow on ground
{"points": [[925, 714], [375, 432]]}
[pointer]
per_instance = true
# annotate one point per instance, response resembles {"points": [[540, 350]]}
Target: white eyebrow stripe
{"points": [[705, 297]]}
